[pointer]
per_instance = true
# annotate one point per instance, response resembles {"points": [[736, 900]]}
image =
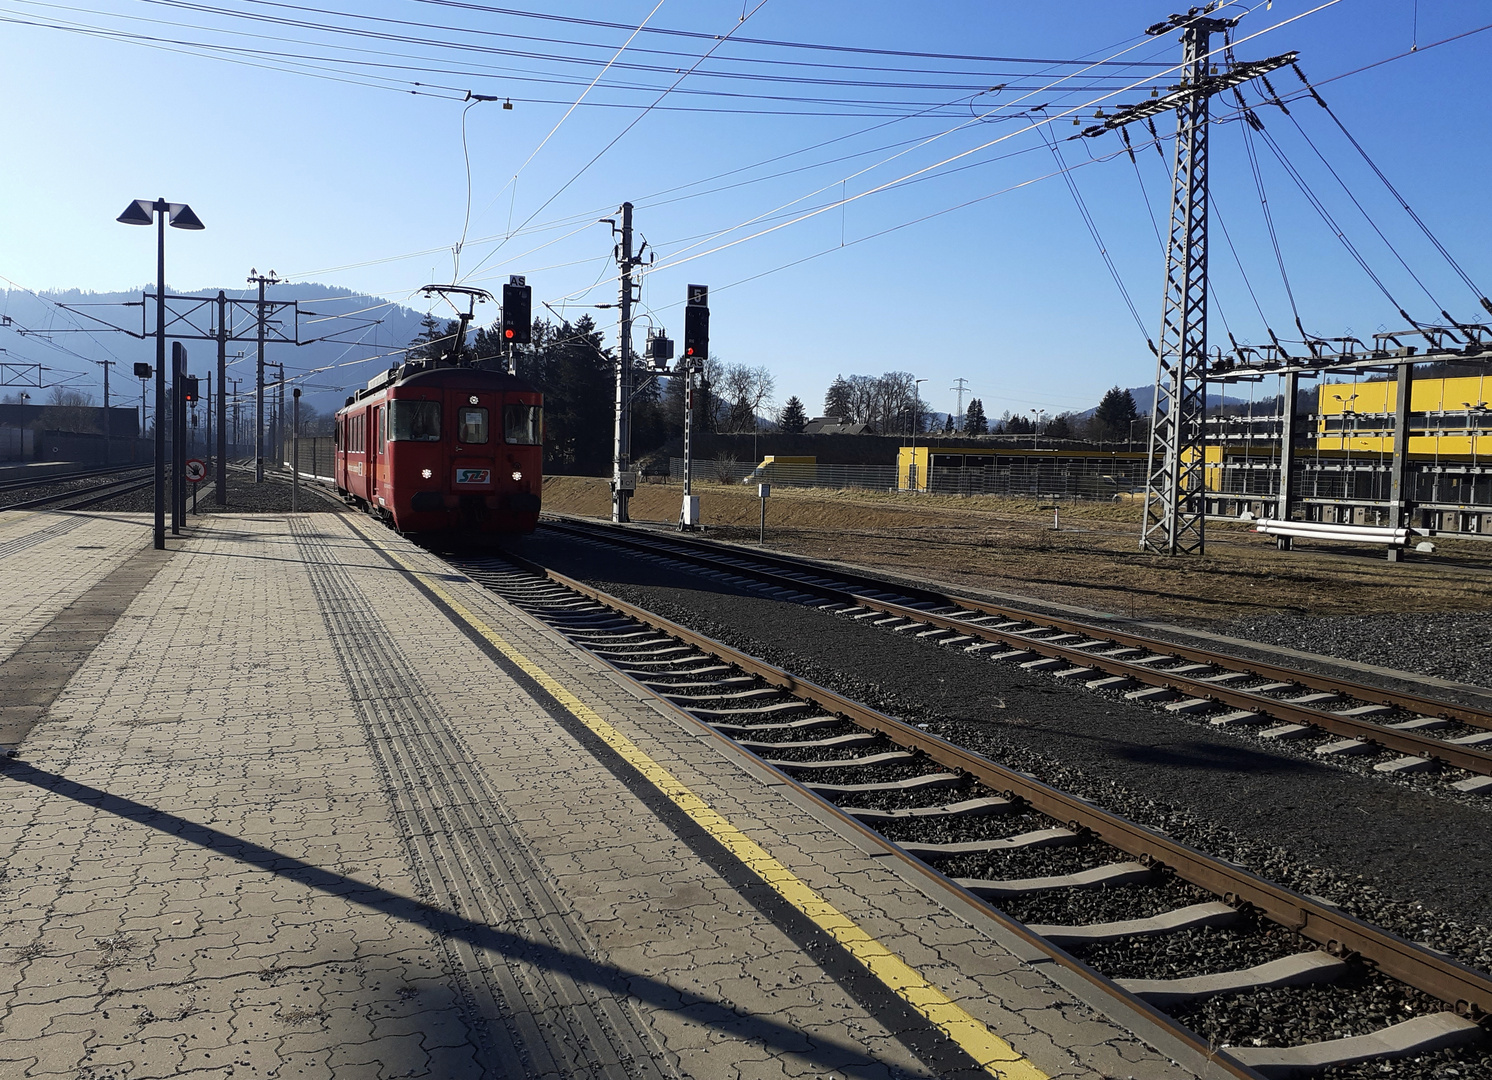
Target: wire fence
{"points": [[1042, 480], [730, 471], [1075, 480], [317, 455]]}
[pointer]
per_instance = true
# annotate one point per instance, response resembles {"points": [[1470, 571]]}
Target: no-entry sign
{"points": [[195, 470]]}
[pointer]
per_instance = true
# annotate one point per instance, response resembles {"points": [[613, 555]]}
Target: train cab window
{"points": [[472, 428], [414, 421], [383, 427], [522, 424]]}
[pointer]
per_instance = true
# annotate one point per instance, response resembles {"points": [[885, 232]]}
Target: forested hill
{"points": [[39, 331]]}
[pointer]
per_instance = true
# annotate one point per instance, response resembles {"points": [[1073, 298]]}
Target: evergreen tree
{"points": [[436, 340], [1114, 415], [975, 422], [792, 419], [838, 399], [576, 375]]}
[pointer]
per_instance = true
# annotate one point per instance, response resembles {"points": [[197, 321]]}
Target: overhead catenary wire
{"points": [[634, 122], [1350, 194], [965, 153], [1403, 202], [1092, 225], [1331, 223]]}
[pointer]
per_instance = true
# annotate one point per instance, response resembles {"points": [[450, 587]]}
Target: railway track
{"points": [[1409, 732], [21, 483], [1033, 853], [81, 498]]}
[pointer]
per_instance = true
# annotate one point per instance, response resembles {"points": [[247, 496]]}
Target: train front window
{"points": [[522, 424], [414, 421], [473, 426]]}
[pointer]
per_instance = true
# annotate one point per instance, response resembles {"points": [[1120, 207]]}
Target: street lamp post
{"points": [[145, 212]]}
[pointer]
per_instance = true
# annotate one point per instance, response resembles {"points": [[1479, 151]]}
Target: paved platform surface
{"points": [[278, 811]]}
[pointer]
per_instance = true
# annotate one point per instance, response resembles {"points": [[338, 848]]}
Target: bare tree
{"points": [[743, 393], [71, 410]]}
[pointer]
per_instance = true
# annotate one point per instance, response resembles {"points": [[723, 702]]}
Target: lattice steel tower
{"points": [[1175, 488], [1175, 503]]}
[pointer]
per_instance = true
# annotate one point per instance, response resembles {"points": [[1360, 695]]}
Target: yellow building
{"points": [[1447, 417], [1010, 469]]}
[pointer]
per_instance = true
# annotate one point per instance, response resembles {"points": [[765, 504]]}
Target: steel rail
{"points": [[19, 483], [104, 491], [1365, 692], [1210, 1061], [1465, 988], [1405, 742]]}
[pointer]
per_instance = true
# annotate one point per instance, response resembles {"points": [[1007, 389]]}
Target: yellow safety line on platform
{"points": [[994, 1054]]}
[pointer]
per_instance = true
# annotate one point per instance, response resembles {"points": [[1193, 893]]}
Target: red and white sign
{"points": [[196, 470]]}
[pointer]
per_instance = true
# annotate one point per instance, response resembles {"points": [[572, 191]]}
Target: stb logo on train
{"points": [[473, 476]]}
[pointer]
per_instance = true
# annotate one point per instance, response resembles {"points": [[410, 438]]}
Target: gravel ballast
{"points": [[1450, 646], [1399, 856]]}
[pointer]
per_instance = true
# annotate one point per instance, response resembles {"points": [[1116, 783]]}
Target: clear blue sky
{"points": [[364, 186]]}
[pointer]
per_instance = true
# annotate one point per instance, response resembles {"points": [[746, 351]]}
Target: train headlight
{"points": [[426, 473], [517, 475]]}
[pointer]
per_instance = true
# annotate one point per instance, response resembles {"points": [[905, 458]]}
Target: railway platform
{"points": [[295, 799]]}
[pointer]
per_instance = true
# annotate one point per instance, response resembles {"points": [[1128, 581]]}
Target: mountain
{"points": [[362, 330], [1145, 399]]}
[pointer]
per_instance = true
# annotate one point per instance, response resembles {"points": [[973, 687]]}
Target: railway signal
{"points": [[696, 349], [697, 323], [518, 320], [190, 389]]}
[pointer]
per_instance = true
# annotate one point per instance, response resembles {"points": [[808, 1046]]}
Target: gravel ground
{"points": [[244, 497], [1133, 762], [1450, 646], [41, 490], [1148, 774], [1423, 868]]}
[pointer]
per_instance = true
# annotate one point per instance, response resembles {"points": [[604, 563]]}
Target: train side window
{"points": [[523, 424], [383, 427], [472, 428], [414, 421]]}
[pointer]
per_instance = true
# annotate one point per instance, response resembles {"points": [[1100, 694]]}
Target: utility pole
{"points": [[220, 478], [208, 443], [959, 389], [280, 416], [178, 434], [295, 456], [1175, 488], [256, 278], [108, 426], [621, 478], [237, 423]]}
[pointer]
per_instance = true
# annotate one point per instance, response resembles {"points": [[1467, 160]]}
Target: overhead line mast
{"points": [[1175, 487]]}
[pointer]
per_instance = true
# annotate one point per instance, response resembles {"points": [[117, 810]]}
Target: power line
{"points": [[719, 41]]}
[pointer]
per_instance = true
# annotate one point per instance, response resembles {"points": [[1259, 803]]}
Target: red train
{"points": [[432, 447]]}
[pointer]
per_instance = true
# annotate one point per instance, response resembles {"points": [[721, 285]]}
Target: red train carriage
{"points": [[431, 448]]}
